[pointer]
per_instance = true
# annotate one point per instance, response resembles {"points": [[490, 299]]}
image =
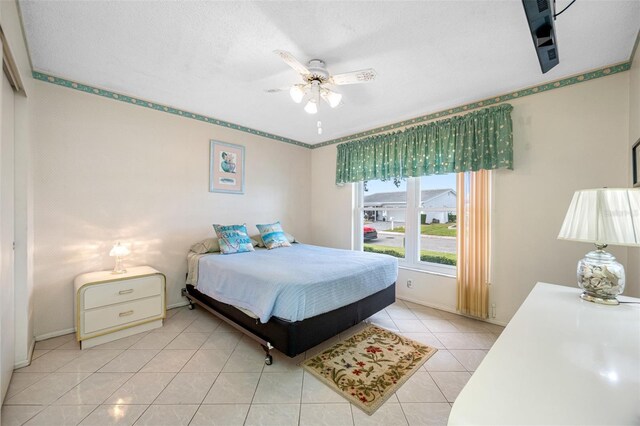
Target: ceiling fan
{"points": [[316, 80]]}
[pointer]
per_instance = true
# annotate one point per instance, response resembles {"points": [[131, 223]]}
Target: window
{"points": [[413, 219]]}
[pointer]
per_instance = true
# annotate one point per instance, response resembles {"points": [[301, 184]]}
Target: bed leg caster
{"points": [[268, 359], [191, 306]]}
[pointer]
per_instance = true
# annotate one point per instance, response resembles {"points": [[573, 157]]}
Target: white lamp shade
{"points": [[297, 93], [119, 250], [332, 98], [311, 107], [603, 216]]}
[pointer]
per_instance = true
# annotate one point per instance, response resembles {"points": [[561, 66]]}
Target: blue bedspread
{"points": [[297, 282]]}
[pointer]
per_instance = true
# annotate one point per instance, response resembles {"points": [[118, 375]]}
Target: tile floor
{"points": [[196, 370]]}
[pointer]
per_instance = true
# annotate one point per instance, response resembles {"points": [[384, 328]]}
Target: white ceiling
{"points": [[215, 58]]}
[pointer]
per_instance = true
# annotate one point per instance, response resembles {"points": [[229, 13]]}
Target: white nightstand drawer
{"points": [[122, 313], [122, 291]]}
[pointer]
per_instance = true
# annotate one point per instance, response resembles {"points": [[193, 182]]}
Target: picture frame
{"points": [[635, 159], [226, 167]]}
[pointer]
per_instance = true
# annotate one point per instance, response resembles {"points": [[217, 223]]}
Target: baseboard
{"points": [[178, 305], [55, 334], [26, 362], [451, 310]]}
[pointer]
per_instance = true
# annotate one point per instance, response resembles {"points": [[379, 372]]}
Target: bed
{"points": [[292, 298]]}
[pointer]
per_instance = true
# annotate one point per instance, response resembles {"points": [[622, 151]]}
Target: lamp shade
{"points": [[603, 216], [119, 251]]}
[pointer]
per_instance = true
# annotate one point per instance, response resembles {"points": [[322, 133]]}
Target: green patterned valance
{"points": [[479, 140]]}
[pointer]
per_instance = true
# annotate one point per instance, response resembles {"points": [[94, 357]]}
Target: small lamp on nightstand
{"points": [[119, 251], [602, 217]]}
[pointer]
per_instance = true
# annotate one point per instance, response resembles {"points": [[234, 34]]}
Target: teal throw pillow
{"points": [[273, 236], [233, 239]]}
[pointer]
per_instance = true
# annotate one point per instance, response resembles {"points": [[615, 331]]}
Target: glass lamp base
{"points": [[596, 299], [118, 269]]}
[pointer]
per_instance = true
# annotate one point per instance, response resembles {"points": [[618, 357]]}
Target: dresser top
{"points": [[561, 360], [105, 276]]}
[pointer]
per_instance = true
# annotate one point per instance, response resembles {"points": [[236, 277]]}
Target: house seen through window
{"points": [[413, 219]]}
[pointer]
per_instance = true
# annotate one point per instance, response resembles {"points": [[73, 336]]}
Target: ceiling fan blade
{"points": [[354, 77], [292, 62]]}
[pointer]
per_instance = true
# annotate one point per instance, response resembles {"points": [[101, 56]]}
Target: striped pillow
{"points": [[273, 236], [233, 239]]}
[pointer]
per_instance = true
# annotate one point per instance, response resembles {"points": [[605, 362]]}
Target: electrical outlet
{"points": [[409, 283], [493, 310]]}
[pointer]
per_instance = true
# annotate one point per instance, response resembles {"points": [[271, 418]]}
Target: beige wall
{"points": [[566, 139], [106, 171], [633, 265]]}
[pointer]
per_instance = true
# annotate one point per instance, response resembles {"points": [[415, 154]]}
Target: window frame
{"points": [[412, 228]]}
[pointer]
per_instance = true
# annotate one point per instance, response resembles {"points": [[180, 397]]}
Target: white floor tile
{"points": [[469, 358], [314, 391], [47, 390], [443, 360], [439, 326], [279, 388], [187, 388], [142, 388], [55, 342], [221, 415], [326, 415], [95, 389], [245, 359], [167, 415], [90, 361], [156, 340], [273, 415], [426, 414], [124, 343], [129, 361], [235, 388], [206, 361], [70, 415], [420, 388], [222, 341], [195, 359], [450, 382], [389, 414], [169, 361], [411, 326], [16, 415], [188, 341], [20, 381], [51, 361], [114, 415]]}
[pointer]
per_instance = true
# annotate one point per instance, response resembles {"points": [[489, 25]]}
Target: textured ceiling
{"points": [[215, 58]]}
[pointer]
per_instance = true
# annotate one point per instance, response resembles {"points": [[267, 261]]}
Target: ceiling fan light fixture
{"points": [[311, 107], [332, 98], [297, 93]]}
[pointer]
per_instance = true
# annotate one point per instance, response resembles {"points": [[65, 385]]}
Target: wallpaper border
{"points": [[159, 107], [545, 87]]}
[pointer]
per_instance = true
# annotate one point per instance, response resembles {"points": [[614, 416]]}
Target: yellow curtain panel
{"points": [[474, 242]]}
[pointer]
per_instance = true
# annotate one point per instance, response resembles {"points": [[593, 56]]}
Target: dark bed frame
{"points": [[293, 338]]}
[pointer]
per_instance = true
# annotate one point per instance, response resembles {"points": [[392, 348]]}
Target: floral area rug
{"points": [[370, 366]]}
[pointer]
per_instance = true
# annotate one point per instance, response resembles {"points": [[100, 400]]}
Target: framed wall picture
{"points": [[635, 158], [226, 168]]}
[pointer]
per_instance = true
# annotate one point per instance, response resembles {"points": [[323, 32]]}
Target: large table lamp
{"points": [[603, 217]]}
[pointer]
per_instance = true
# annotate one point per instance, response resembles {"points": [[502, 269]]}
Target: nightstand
{"points": [[112, 306]]}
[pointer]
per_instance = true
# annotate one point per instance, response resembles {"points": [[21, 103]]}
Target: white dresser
{"points": [[111, 306], [560, 361]]}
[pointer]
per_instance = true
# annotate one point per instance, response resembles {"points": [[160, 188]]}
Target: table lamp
{"points": [[603, 217], [119, 251]]}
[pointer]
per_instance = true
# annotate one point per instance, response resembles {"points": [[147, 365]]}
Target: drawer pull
{"points": [[125, 314], [126, 291]]}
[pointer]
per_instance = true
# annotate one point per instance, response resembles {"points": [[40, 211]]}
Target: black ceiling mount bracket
{"points": [[540, 17]]}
